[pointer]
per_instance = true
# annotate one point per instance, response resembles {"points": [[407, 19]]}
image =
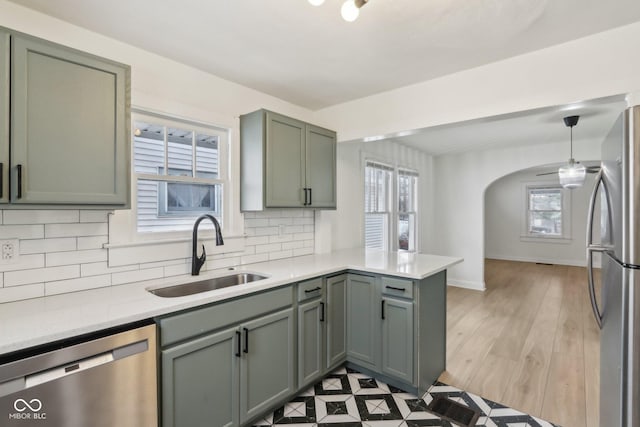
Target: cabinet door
{"points": [[200, 382], [363, 325], [320, 162], [397, 338], [336, 320], [311, 347], [284, 161], [69, 126], [267, 367], [4, 115]]}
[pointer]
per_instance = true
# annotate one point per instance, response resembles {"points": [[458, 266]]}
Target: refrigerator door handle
{"points": [[591, 248]]}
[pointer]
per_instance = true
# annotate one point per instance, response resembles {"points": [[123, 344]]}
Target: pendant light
{"points": [[350, 8], [572, 174]]}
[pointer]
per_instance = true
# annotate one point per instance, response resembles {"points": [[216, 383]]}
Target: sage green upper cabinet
{"points": [[69, 126], [285, 156], [4, 113], [285, 163]]}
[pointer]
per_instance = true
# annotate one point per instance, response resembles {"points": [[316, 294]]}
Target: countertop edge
{"points": [[167, 306]]}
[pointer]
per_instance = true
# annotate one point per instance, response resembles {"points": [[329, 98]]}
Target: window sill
{"points": [[546, 239]]}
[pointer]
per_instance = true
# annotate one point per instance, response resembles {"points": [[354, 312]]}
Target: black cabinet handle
{"points": [[306, 197], [322, 312], [310, 196], [382, 307], [395, 289], [312, 290], [19, 168], [1, 180], [239, 336], [246, 340]]}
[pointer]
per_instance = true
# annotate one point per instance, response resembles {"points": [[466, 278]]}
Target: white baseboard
{"points": [[476, 286], [571, 262]]}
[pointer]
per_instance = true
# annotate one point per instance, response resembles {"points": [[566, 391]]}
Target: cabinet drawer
{"points": [[397, 287], [310, 289], [181, 326]]}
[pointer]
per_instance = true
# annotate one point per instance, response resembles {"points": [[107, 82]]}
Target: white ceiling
{"points": [[309, 56], [540, 126]]}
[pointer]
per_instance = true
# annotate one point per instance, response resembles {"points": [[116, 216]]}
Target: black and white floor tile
{"points": [[347, 398]]}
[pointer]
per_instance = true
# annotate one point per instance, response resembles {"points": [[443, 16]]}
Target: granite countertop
{"points": [[39, 321]]}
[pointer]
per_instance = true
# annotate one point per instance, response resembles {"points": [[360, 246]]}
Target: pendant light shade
{"points": [[573, 174]]}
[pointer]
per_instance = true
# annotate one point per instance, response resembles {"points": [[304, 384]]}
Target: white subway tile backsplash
{"points": [[293, 245], [61, 251], [41, 246], [177, 269], [257, 222], [93, 242], [252, 259], [137, 275], [97, 268], [256, 240], [26, 262], [81, 257], [75, 285], [16, 293], [52, 216], [280, 221], [273, 247], [37, 275], [303, 251], [94, 216], [22, 231], [280, 255], [76, 230]]}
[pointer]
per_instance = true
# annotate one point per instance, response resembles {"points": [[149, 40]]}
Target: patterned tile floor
{"points": [[347, 398]]}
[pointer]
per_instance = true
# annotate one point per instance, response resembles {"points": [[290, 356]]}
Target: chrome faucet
{"points": [[198, 261]]}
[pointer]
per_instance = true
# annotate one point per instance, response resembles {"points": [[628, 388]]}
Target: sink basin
{"points": [[206, 285]]}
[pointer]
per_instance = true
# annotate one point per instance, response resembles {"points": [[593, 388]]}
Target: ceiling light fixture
{"points": [[572, 174], [350, 8]]}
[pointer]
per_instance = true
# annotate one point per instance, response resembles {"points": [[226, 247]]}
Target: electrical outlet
{"points": [[9, 251]]}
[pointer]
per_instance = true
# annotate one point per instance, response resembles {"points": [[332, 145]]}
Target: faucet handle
{"points": [[202, 258]]}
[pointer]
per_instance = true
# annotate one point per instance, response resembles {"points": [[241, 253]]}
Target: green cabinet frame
{"points": [[69, 125], [285, 163]]}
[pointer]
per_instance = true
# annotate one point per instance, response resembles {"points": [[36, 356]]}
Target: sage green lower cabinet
{"points": [[336, 320], [266, 371], [311, 339], [200, 382], [362, 320], [397, 338]]}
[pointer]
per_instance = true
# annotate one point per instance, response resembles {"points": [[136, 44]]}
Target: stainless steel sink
{"points": [[206, 285]]}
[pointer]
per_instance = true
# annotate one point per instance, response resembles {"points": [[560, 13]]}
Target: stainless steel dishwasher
{"points": [[102, 381]]}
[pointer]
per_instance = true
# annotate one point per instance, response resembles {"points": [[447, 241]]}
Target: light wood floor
{"points": [[529, 341]]}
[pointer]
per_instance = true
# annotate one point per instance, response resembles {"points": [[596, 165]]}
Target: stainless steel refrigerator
{"points": [[618, 311]]}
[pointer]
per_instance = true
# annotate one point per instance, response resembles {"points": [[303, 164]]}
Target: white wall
{"points": [[505, 215], [461, 181], [592, 67]]}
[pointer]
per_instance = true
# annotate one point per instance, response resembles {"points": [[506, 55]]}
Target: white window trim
{"points": [[123, 233], [525, 236], [394, 215], [408, 171]]}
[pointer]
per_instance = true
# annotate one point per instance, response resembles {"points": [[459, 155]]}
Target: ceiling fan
{"points": [[572, 174]]}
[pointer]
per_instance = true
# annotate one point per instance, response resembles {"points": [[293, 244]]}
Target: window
{"points": [[545, 211], [377, 205], [379, 229], [179, 173], [407, 207]]}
